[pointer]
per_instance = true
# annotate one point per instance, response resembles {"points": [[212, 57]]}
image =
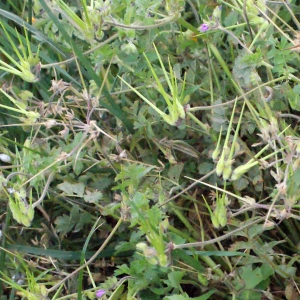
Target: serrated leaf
{"points": [[92, 197], [251, 277], [72, 188], [256, 230], [77, 219], [84, 218], [63, 224]]}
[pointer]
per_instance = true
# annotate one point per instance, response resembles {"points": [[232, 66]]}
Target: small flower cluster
{"points": [[100, 293], [204, 27], [214, 21]]}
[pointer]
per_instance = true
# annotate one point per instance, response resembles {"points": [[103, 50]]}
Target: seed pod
{"points": [[239, 171], [220, 165], [215, 221], [222, 216], [215, 154], [227, 169]]}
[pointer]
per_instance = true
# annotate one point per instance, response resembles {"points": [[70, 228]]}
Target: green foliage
{"points": [[133, 136], [75, 221]]}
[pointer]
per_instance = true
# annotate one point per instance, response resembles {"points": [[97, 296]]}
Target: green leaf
{"points": [[178, 297], [72, 189], [65, 255], [205, 296], [251, 277], [180, 254], [92, 197], [266, 271], [77, 219], [175, 171], [293, 183], [255, 230], [84, 218], [205, 167], [241, 184], [296, 89], [132, 174], [175, 278], [63, 224]]}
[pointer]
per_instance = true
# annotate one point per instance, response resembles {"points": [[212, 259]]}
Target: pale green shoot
{"points": [[216, 152], [31, 116], [174, 101], [213, 218], [239, 171], [166, 117], [229, 161], [224, 164], [26, 59], [73, 18], [221, 208], [91, 17], [219, 215]]}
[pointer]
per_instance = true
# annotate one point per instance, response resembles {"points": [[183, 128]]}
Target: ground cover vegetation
{"points": [[149, 149]]}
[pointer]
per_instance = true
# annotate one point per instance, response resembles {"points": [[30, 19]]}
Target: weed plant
{"points": [[149, 149]]}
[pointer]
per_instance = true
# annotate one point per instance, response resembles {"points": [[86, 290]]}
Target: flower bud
{"points": [[163, 260], [217, 13], [129, 48], [180, 109], [100, 293], [204, 27], [28, 76]]}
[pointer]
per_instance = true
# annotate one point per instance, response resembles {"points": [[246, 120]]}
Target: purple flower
{"points": [[203, 27], [100, 293]]}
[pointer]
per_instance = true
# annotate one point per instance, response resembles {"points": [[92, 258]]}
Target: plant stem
{"points": [[218, 239], [56, 286]]}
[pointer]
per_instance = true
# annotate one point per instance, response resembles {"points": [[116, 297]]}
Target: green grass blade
{"points": [[29, 27]]}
